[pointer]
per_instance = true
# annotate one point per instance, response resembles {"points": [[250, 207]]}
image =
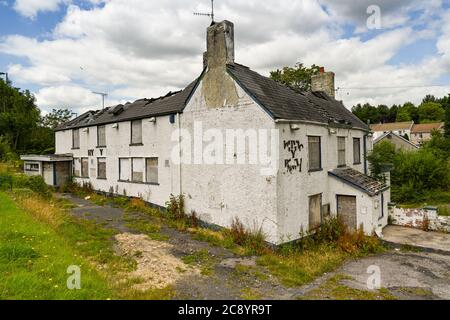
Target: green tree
{"points": [[403, 115], [297, 77], [56, 118], [383, 153], [431, 112]]}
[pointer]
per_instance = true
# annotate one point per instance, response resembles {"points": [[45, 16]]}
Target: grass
{"points": [[34, 259], [39, 241], [444, 210], [250, 294], [202, 259], [333, 289], [145, 226], [298, 268]]}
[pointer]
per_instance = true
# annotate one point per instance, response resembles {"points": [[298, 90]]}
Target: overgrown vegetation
{"points": [[300, 262], [421, 176]]}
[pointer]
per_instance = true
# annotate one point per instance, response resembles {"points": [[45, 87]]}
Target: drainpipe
{"points": [[180, 151], [365, 153]]}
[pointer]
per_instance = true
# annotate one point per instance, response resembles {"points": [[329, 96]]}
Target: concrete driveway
{"points": [[433, 241]]}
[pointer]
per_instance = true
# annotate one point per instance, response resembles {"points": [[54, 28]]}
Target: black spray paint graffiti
{"points": [[294, 163]]}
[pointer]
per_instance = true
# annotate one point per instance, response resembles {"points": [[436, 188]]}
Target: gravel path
{"points": [[407, 275]]}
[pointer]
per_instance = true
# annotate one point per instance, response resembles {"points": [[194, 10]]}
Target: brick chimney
{"points": [[220, 44], [324, 81]]}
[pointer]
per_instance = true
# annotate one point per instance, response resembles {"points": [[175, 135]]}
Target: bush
{"points": [[254, 241], [35, 183]]}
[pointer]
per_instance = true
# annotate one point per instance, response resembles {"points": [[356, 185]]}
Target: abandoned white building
{"points": [[320, 169]]}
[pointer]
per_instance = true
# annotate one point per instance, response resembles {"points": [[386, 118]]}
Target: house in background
{"points": [[320, 169], [399, 128], [422, 132], [399, 142]]}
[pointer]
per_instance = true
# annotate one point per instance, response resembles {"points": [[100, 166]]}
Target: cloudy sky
{"points": [[62, 50]]}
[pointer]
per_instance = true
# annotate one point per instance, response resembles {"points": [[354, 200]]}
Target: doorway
{"points": [[346, 210]]}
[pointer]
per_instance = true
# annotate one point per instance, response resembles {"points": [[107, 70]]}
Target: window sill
{"points": [[316, 170], [357, 163], [101, 147], [136, 144], [136, 182], [75, 149]]}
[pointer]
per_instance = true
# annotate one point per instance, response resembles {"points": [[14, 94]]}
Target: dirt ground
{"points": [[196, 270]]}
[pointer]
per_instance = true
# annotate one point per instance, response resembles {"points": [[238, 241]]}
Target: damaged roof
{"points": [[359, 180], [280, 101], [172, 103]]}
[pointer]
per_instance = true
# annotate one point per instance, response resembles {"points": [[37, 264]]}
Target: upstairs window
{"points": [[76, 139], [356, 151], [152, 170], [136, 132], [84, 167], [101, 168], [101, 136], [341, 152], [314, 154]]}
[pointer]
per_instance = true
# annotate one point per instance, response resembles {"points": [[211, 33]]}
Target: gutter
{"points": [[319, 124]]}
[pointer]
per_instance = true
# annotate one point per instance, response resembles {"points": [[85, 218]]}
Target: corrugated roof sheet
{"points": [[359, 180]]}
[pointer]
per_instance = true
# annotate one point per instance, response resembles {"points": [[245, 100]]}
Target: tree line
{"points": [[431, 109], [23, 128]]}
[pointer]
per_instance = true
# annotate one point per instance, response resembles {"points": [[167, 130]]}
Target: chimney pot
{"points": [[322, 70]]}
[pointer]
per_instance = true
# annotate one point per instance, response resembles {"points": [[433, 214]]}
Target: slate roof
{"points": [[172, 103], [280, 101], [392, 134], [284, 103], [384, 127], [359, 180]]}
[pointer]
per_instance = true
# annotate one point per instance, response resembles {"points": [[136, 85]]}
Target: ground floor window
{"points": [[124, 169], [76, 167], [84, 167], [32, 167], [152, 170], [101, 168], [137, 169]]}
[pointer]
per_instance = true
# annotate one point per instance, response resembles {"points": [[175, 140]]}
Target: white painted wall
{"points": [[156, 143], [219, 193]]}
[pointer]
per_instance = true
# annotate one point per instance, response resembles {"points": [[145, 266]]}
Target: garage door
{"points": [[346, 210]]}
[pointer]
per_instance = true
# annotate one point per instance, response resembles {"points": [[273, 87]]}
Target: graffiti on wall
{"points": [[294, 162]]}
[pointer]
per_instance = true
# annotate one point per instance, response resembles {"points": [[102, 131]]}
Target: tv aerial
{"points": [[211, 14]]}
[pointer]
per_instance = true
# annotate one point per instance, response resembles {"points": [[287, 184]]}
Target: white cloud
{"points": [[30, 8], [144, 48]]}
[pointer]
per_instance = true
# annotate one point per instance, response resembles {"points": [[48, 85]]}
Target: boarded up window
{"points": [[137, 168], [341, 152], [124, 168], [356, 150], [77, 167], [76, 138], [101, 136], [314, 153], [152, 170], [85, 167], [315, 211], [101, 168], [136, 132]]}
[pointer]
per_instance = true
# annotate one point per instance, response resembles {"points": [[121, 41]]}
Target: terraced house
{"points": [[190, 142]]}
